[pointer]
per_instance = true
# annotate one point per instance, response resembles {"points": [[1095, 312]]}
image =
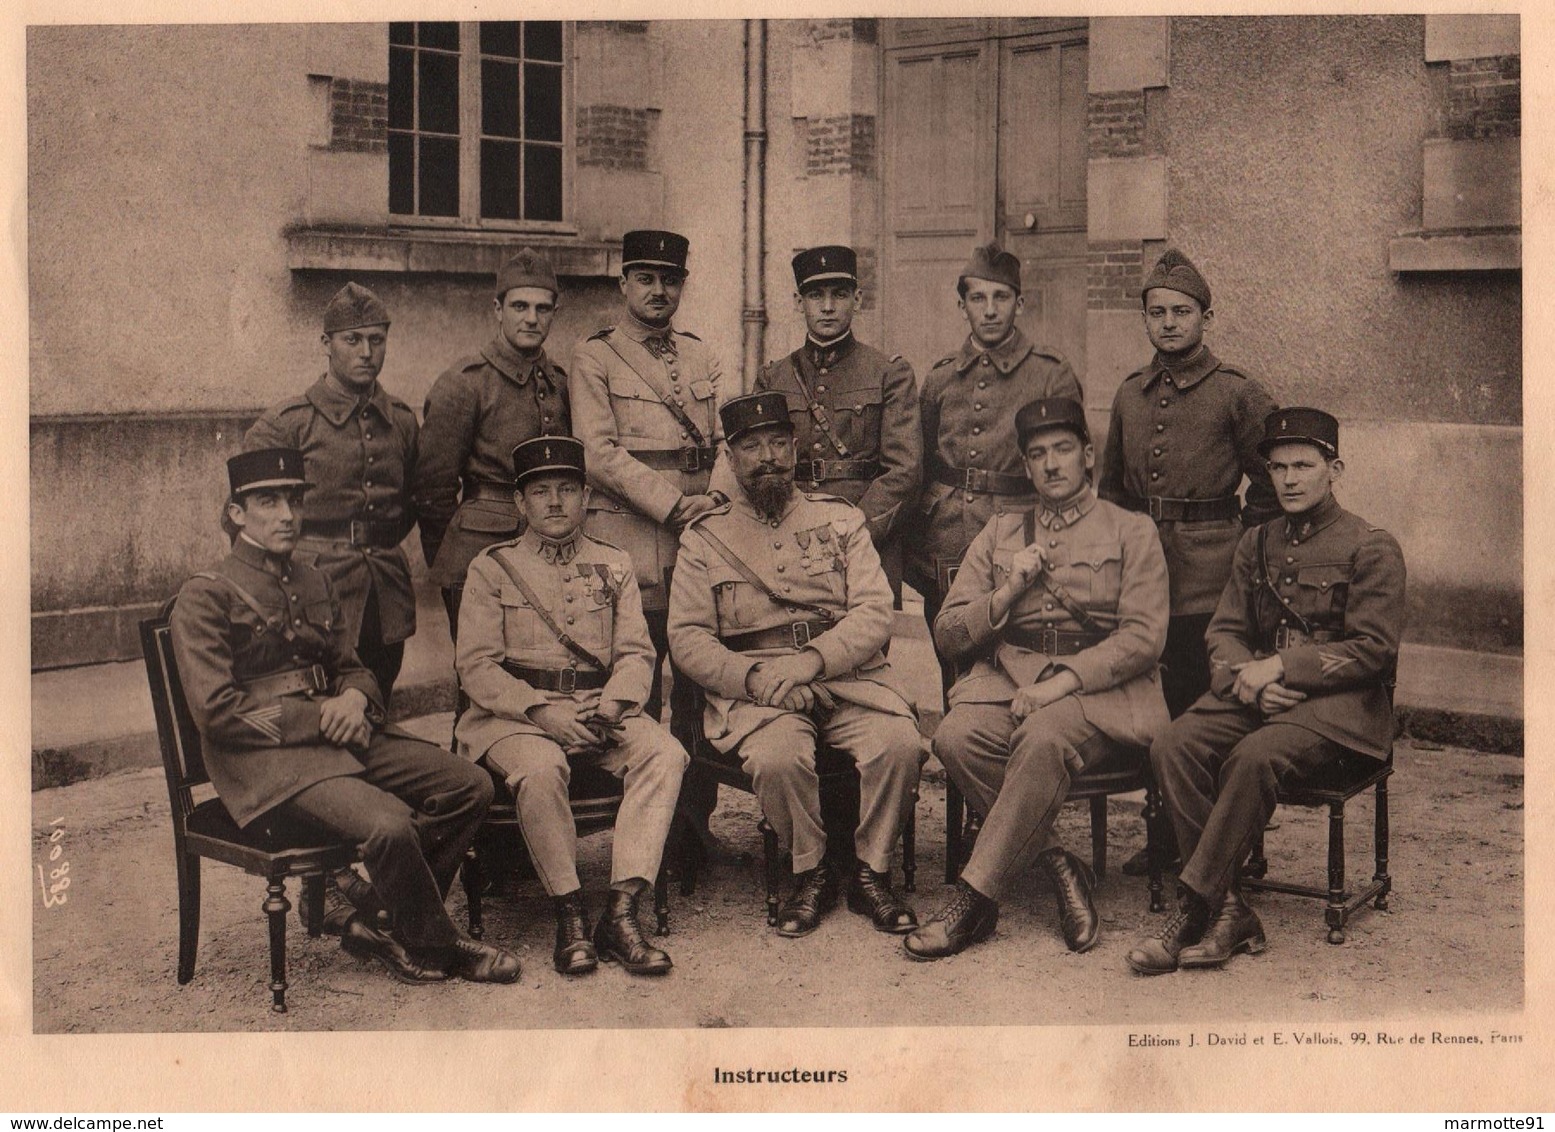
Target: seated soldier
{"points": [[1302, 647], [780, 609], [289, 722], [1056, 620], [554, 653]]}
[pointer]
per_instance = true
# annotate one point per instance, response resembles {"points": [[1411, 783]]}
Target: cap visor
{"points": [[827, 276], [260, 485], [543, 469]]}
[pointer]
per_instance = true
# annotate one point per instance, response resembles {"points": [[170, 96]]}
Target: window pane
{"points": [[402, 174], [439, 94], [439, 178], [441, 35], [402, 33], [500, 37], [542, 182], [542, 102], [499, 180], [543, 40], [499, 98], [402, 88]]}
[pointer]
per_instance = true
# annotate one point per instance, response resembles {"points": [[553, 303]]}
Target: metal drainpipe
{"points": [[754, 314]]}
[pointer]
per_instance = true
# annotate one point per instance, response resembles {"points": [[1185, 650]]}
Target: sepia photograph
{"points": [[779, 524]]}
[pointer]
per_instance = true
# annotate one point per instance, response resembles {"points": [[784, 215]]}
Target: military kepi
{"points": [[754, 410], [526, 269], [825, 264], [1176, 272], [354, 306], [1301, 426], [654, 249], [993, 263], [266, 468], [1050, 412], [547, 454]]}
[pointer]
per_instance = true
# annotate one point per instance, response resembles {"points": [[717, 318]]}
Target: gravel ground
{"points": [[104, 960]]}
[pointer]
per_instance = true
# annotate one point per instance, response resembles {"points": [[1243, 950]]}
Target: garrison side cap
{"points": [[528, 268], [1176, 272], [993, 263], [354, 306]]}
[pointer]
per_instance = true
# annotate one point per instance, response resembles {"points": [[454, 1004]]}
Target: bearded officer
{"points": [[780, 610], [1058, 617], [854, 410], [973, 470], [1303, 646], [539, 701], [290, 726]]}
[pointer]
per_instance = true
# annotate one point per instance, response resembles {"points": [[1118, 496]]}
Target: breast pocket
{"points": [[735, 600], [1323, 591], [521, 626], [857, 418], [639, 413], [1095, 575]]}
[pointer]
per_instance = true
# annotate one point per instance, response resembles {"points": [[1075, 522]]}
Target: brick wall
{"points": [[358, 116], [1115, 123], [613, 137], [1113, 274], [844, 144], [1485, 97]]}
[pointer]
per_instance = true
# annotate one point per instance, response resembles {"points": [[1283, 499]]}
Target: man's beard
{"points": [[769, 493]]}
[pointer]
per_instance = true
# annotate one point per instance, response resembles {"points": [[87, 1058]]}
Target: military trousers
{"points": [[780, 758], [382, 660], [699, 791], [648, 761], [1218, 767], [414, 810], [1185, 661], [1017, 775]]}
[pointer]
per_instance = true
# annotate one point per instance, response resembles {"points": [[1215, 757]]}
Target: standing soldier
{"points": [[973, 468], [555, 656], [855, 411], [1184, 430], [1303, 645]]}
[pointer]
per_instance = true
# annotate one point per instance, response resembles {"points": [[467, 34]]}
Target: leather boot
{"points": [[814, 894], [1072, 883], [477, 961], [969, 917], [1234, 928], [1158, 954], [870, 895], [1139, 864], [618, 938], [362, 941], [574, 954]]}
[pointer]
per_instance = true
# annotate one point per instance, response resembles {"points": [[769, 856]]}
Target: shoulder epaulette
{"points": [[945, 361], [469, 362], [897, 358], [398, 404], [688, 334], [1049, 352], [556, 367], [300, 401], [600, 335], [721, 509], [498, 546], [601, 542], [823, 497], [1233, 371]]}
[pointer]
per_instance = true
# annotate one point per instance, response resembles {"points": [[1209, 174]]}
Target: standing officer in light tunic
{"points": [[555, 656], [1303, 647], [780, 610], [854, 410], [973, 470], [1057, 617]]}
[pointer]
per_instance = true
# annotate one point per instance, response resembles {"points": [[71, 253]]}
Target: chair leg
{"points": [[1155, 837], [188, 914], [661, 903], [772, 863], [955, 849], [1334, 913], [1099, 836], [313, 901], [1381, 835], [276, 906], [472, 876], [1257, 865], [910, 849]]}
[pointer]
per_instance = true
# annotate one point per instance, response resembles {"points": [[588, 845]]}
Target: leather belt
{"points": [[486, 489], [676, 459], [795, 635], [557, 679], [819, 471], [381, 533], [299, 681], [1286, 637], [1053, 642], [980, 480], [1164, 510]]}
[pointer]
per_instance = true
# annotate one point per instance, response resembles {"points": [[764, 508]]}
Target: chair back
{"points": [[179, 738]]}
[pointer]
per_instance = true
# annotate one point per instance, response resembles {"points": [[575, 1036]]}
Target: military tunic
{"points": [[819, 553], [476, 412], [1219, 763], [589, 589]]}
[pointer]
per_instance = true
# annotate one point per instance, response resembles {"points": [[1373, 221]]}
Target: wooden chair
{"points": [[1124, 771], [205, 829], [595, 796]]}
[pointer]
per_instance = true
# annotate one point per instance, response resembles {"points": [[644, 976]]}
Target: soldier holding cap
{"points": [[1057, 617], [359, 444], [1303, 647], [854, 410], [555, 657], [290, 719], [973, 470], [780, 610]]}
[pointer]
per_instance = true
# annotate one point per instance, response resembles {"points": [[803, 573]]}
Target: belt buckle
{"points": [[801, 633], [567, 681], [1049, 639], [1155, 507], [817, 471], [356, 532], [318, 679], [691, 459], [976, 479]]}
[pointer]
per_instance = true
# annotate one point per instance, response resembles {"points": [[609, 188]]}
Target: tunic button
{"points": [[369, 459], [982, 385], [1295, 542], [822, 370], [1289, 559], [1047, 605], [674, 373], [1164, 402], [786, 587], [297, 621], [367, 436], [1052, 542], [977, 406], [774, 524], [571, 620], [1160, 428], [972, 452], [1155, 475], [777, 546], [294, 597], [816, 446], [1289, 581], [683, 434], [967, 497], [859, 408], [780, 568], [1283, 620], [977, 430], [985, 359], [821, 388], [1157, 451], [568, 597], [369, 506]]}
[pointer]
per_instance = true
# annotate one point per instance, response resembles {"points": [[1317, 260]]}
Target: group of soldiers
{"points": [[590, 530]]}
